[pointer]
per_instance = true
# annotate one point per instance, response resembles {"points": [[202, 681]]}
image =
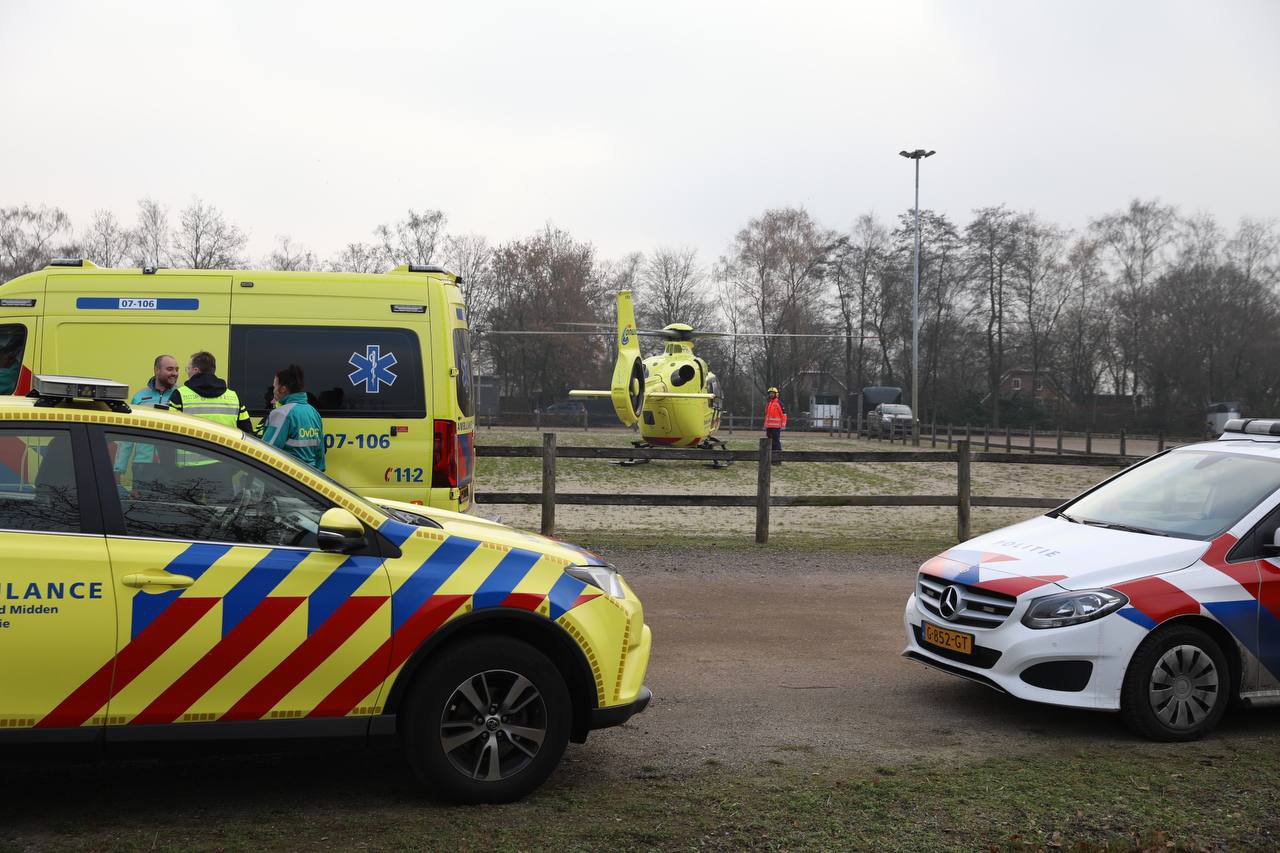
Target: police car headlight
{"points": [[1072, 608], [602, 577]]}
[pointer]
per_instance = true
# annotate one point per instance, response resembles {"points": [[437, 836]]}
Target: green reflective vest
{"points": [[224, 410]]}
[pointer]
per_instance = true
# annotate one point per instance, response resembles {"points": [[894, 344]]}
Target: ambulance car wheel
{"points": [[1177, 686], [486, 721]]}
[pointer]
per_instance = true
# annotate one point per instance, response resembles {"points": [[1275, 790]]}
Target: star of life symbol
{"points": [[373, 369]]}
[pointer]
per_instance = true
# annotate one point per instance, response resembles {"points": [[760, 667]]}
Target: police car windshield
{"points": [[891, 409], [275, 451], [1191, 494]]}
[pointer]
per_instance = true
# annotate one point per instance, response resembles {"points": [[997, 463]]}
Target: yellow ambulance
{"points": [[248, 599], [387, 356]]}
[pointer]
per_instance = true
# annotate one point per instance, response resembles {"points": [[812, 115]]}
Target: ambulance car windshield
{"points": [[1191, 494]]}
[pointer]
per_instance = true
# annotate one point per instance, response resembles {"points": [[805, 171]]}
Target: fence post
{"points": [[949, 429], [933, 432], [966, 434], [1031, 439], [763, 471], [1160, 442], [859, 423], [537, 420], [1059, 441], [1122, 453], [962, 490], [1008, 439], [1088, 442], [986, 439], [585, 427], [548, 483]]}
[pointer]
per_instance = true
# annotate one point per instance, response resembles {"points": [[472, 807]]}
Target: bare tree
{"points": [[1255, 251], [205, 240], [992, 244], [673, 289], [361, 258], [857, 266], [1135, 241], [415, 239], [150, 240], [287, 255], [1042, 287], [30, 237], [778, 266], [106, 242]]}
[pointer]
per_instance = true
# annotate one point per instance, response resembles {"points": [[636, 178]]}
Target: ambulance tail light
{"points": [[444, 456]]}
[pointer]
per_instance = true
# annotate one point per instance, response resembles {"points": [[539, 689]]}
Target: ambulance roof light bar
{"points": [[52, 390], [1252, 426], [72, 262]]}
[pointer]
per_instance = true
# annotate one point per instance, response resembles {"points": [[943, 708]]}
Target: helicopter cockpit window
{"points": [[682, 374]]}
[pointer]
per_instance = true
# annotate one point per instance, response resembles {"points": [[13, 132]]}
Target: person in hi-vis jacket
{"points": [[775, 421]]}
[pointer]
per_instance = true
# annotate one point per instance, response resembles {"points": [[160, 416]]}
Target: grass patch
{"points": [[1184, 796]]}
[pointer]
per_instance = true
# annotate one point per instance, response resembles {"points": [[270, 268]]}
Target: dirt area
{"points": [[793, 658]]}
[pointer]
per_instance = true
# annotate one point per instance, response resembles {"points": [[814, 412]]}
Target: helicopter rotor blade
{"points": [[534, 332]]}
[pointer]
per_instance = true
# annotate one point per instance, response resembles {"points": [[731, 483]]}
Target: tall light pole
{"points": [[917, 155]]}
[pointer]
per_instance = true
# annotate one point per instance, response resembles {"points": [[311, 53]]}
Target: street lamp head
{"points": [[918, 154], [904, 154]]}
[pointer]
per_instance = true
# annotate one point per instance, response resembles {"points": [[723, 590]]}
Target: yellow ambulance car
{"points": [[387, 356], [225, 592]]}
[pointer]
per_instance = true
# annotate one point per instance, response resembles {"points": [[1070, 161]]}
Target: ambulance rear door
{"points": [[113, 323], [363, 344]]}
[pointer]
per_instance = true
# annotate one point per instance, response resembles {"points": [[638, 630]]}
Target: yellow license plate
{"points": [[956, 641]]}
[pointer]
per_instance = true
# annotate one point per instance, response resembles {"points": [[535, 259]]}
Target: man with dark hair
{"points": [[206, 396], [294, 425]]}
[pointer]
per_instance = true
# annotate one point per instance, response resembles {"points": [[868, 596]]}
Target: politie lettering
{"points": [[52, 591]]}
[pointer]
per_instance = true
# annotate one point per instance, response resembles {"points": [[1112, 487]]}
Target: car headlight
{"points": [[602, 577], [1072, 608]]}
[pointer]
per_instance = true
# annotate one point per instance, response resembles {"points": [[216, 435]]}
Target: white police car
{"points": [[1155, 594]]}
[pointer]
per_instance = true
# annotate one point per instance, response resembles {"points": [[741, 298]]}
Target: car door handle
{"points": [[142, 580]]}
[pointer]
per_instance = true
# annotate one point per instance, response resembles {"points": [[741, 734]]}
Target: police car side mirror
{"points": [[1272, 548], [340, 531]]}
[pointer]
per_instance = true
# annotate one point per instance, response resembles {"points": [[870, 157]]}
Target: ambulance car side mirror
{"points": [[340, 531]]}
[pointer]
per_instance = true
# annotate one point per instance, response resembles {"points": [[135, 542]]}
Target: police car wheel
{"points": [[1177, 686], [487, 721]]}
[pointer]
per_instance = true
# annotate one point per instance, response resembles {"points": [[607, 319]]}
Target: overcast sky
{"points": [[635, 126]]}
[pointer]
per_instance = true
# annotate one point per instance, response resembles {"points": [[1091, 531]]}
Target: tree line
{"points": [[1140, 319]]}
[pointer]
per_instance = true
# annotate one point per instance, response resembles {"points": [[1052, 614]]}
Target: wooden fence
{"points": [[963, 500]]}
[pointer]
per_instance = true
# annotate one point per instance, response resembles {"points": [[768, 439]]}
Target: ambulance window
{"points": [[462, 361], [12, 341], [38, 482], [350, 372], [193, 492]]}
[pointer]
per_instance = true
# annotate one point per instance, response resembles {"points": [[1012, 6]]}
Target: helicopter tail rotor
{"points": [[626, 390], [627, 387]]}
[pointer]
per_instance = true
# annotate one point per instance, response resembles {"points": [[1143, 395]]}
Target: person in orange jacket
{"points": [[775, 421]]}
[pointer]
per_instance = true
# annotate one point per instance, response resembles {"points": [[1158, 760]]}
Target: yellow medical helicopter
{"points": [[673, 398]]}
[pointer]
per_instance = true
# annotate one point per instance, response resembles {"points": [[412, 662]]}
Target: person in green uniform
{"points": [[294, 425]]}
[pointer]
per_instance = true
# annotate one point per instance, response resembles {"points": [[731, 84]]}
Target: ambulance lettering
{"points": [[79, 590]]}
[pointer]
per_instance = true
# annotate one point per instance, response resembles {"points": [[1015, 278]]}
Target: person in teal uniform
{"points": [[294, 425]]}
